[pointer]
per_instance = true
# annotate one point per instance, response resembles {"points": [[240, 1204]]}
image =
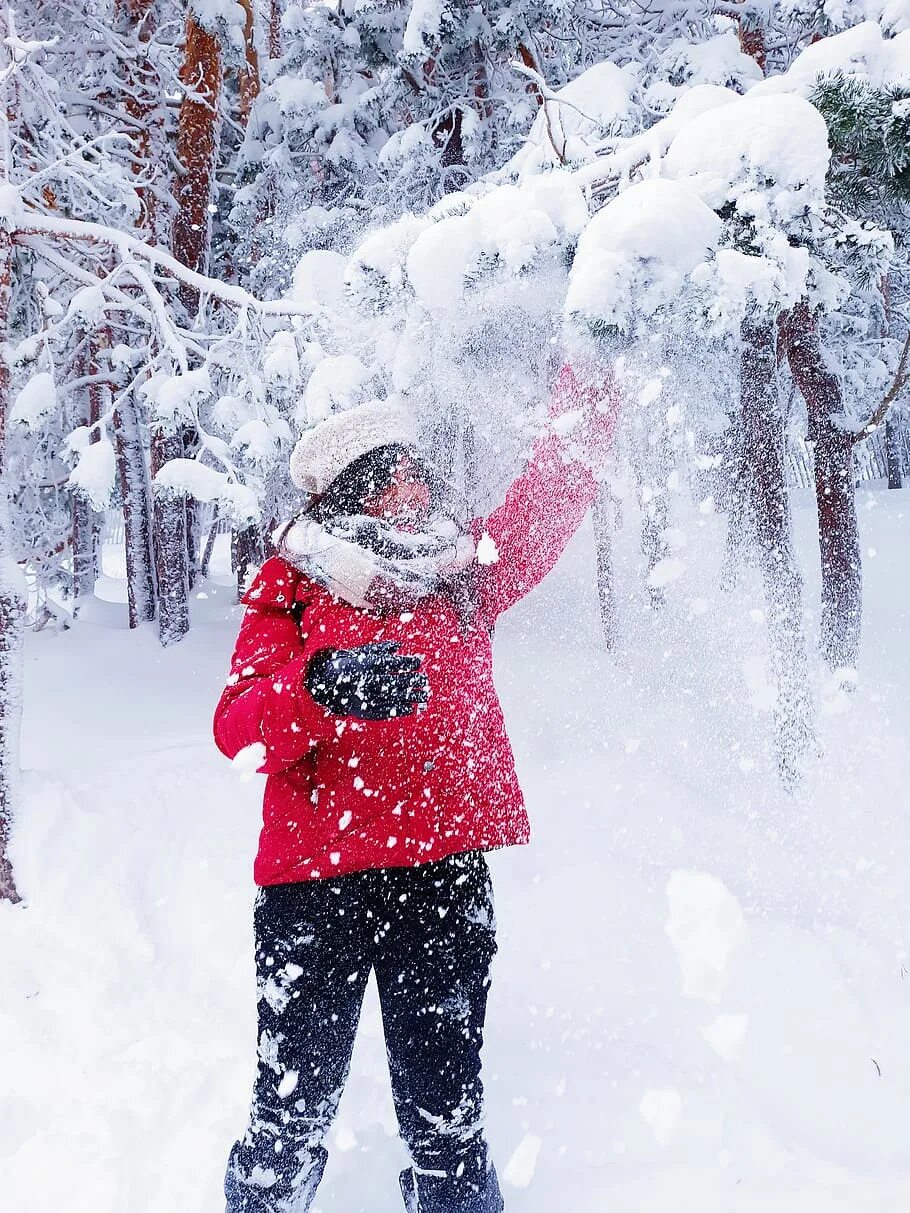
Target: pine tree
{"points": [[869, 133]]}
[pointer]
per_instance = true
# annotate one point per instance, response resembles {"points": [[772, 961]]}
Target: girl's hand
{"points": [[583, 412]]}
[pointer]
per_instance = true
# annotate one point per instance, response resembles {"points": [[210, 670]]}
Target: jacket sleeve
{"points": [[265, 700], [529, 531], [545, 505]]}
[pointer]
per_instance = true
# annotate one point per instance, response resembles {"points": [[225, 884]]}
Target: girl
{"points": [[364, 669]]}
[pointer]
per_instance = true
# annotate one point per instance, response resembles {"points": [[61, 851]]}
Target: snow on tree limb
{"points": [[130, 248]]}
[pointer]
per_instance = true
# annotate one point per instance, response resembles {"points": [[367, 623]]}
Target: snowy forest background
{"points": [[220, 220]]}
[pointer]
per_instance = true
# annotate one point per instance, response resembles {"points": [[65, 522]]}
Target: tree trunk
{"points": [[735, 499], [764, 452], [198, 133], [246, 554], [169, 529], [87, 522], [655, 520], [143, 101], [12, 615], [752, 41], [83, 519], [603, 546], [838, 532], [137, 514], [447, 132], [193, 531], [85, 547], [471, 471], [276, 12], [249, 75], [12, 608], [892, 433], [206, 559], [893, 452]]}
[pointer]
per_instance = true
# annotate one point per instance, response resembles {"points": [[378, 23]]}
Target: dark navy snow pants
{"points": [[429, 934]]}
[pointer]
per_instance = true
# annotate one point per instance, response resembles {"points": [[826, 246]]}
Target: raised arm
{"points": [[265, 700], [545, 505]]}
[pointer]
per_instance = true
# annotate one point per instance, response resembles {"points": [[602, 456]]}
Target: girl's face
{"points": [[405, 501]]}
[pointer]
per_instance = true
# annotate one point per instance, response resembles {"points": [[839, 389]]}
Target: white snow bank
{"points": [[719, 60], [127, 1001]]}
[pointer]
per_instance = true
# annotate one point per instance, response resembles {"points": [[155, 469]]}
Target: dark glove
{"points": [[371, 682]]}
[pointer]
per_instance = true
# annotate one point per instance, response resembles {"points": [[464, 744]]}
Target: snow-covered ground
{"points": [[702, 996]]}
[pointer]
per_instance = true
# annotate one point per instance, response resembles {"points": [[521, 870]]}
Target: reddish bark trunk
{"points": [[85, 534], [198, 133], [447, 135], [764, 454], [752, 41], [249, 81], [838, 532], [12, 610], [529, 60]]}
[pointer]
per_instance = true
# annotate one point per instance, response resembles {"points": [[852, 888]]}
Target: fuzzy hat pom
{"points": [[327, 448]]}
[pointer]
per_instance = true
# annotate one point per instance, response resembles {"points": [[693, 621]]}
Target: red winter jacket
{"points": [[344, 794]]}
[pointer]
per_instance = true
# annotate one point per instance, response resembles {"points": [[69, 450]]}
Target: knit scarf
{"points": [[372, 565]]}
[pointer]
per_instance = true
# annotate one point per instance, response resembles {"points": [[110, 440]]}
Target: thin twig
{"points": [[898, 383]]}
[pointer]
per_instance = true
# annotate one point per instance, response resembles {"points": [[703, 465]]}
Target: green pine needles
{"points": [[869, 132]]}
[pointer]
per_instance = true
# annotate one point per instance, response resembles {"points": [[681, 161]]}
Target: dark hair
{"points": [[366, 478], [369, 476]]}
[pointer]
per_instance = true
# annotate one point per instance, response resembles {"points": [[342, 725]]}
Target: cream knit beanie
{"points": [[330, 446]]}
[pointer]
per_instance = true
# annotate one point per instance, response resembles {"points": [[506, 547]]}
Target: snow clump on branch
{"points": [[636, 253]]}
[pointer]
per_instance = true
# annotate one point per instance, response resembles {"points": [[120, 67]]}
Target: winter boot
{"points": [[437, 1194], [281, 1195]]}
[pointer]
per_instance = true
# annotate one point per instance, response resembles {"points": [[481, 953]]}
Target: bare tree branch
{"points": [[898, 383]]}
